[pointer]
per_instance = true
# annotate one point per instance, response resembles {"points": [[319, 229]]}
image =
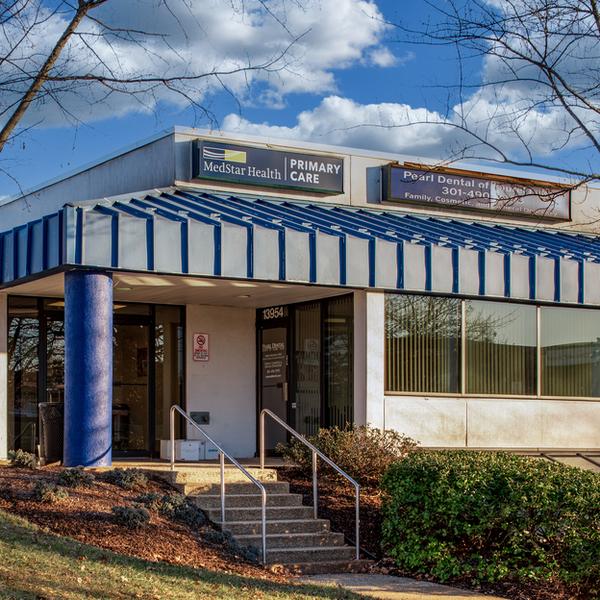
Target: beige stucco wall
{"points": [[495, 422], [226, 385]]}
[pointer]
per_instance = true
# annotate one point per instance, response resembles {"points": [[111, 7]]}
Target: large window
{"points": [[570, 352], [23, 370], [501, 348], [148, 370], [451, 346], [423, 344]]}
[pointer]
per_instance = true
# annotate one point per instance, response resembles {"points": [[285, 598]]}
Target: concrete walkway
{"points": [[386, 587]]}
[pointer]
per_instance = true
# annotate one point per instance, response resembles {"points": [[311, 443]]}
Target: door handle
{"points": [[285, 391]]}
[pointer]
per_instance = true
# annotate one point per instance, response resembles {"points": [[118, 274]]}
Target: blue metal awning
{"points": [[222, 235]]}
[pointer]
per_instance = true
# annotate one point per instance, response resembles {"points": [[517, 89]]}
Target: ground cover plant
{"points": [[76, 477], [21, 459], [128, 479], [132, 517], [50, 493], [65, 569], [494, 518], [180, 508]]}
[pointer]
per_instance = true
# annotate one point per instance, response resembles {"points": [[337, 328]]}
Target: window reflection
{"points": [[422, 336], [501, 348], [570, 352]]}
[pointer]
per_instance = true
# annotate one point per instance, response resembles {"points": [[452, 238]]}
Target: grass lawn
{"points": [[38, 565]]}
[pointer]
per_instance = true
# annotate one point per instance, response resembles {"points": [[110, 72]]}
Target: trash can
{"points": [[52, 423]]}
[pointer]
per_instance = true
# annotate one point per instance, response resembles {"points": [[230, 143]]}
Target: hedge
{"points": [[493, 517]]}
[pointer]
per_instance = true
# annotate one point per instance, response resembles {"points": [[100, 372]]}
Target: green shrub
{"points": [[131, 517], [491, 517], [49, 493], [178, 507], [363, 452], [22, 460], [76, 477], [128, 479]]}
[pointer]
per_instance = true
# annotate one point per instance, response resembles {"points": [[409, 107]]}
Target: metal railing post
{"points": [[315, 485], [222, 469], [357, 533], [172, 435], [262, 440], [264, 525]]}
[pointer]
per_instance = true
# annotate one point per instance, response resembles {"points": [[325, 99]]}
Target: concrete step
{"points": [[212, 475], [214, 489], [310, 554], [294, 540], [206, 502], [274, 513], [330, 567], [238, 528]]}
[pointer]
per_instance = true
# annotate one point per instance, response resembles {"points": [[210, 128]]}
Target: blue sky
{"points": [[351, 71]]}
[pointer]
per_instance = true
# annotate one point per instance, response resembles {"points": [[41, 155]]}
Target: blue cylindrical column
{"points": [[88, 368]]}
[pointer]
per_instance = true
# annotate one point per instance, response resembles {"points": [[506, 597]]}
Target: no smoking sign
{"points": [[201, 347]]}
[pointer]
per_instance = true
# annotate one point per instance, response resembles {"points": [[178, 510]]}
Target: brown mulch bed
{"points": [[336, 503], [86, 516]]}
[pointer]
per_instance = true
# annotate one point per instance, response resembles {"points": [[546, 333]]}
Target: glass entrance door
{"points": [[131, 388], [274, 380], [306, 365]]}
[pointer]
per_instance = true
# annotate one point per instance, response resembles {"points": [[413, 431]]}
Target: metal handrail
{"points": [[222, 456], [315, 452]]}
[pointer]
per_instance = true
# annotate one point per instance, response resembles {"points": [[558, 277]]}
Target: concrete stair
{"points": [[295, 538]]}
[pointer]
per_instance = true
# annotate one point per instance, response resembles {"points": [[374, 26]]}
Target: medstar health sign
{"points": [[260, 166]]}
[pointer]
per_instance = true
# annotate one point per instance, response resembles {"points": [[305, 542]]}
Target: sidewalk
{"points": [[386, 587]]}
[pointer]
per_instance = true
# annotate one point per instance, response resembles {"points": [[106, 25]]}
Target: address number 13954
{"points": [[275, 312]]}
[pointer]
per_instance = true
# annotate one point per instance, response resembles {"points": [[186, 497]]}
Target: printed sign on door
{"points": [[201, 352]]}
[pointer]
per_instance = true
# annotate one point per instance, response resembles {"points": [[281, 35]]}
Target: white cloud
{"points": [[336, 120], [306, 40], [382, 57], [417, 131]]}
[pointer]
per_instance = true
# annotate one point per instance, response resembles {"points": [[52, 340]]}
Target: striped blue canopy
{"points": [[248, 237]]}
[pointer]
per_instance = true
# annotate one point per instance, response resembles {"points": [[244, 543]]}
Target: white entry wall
{"points": [[225, 385]]}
